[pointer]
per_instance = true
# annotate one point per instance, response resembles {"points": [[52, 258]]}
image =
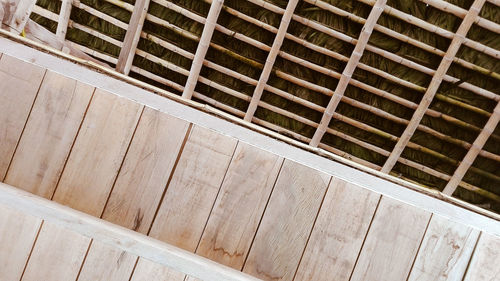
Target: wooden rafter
{"points": [[63, 21], [132, 36], [366, 32], [473, 152], [457, 41], [271, 58], [201, 51]]}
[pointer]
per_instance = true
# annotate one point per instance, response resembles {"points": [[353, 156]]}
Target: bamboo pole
{"points": [[435, 29], [271, 58], [471, 155], [203, 45], [63, 21], [461, 13], [458, 39], [366, 32], [132, 36]]}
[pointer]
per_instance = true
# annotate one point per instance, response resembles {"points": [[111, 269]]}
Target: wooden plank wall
{"points": [[201, 191]]}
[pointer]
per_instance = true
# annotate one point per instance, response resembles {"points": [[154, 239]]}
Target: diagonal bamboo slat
{"points": [[348, 71], [203, 44], [271, 58], [458, 39]]}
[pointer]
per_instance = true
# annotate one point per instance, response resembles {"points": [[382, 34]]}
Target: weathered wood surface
{"points": [[57, 255], [339, 232], [24, 80], [445, 251], [392, 242], [138, 189], [47, 262], [190, 196], [49, 134], [239, 206], [17, 236], [485, 262], [97, 153], [287, 222]]}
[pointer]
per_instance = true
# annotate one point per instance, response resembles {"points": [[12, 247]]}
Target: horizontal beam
{"points": [[117, 236]]}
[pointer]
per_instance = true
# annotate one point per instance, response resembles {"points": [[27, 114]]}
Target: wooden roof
{"points": [[425, 108]]}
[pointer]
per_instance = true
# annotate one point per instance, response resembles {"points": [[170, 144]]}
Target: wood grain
{"points": [[239, 206], [138, 190], [17, 236], [287, 222], [20, 83], [445, 251], [339, 232], [49, 134], [57, 255], [392, 242], [189, 197], [98, 153], [484, 265], [106, 263]]}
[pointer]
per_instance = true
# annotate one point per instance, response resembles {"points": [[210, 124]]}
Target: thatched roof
{"points": [[377, 112]]}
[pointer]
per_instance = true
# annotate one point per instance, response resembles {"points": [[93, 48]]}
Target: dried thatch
{"points": [[376, 107]]}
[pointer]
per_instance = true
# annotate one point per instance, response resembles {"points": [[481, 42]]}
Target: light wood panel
{"points": [[445, 251], [287, 222], [239, 206], [100, 230], [138, 190], [98, 153], [57, 255], [392, 242], [23, 79], [17, 235], [106, 263], [49, 134], [338, 233], [485, 263], [189, 197]]}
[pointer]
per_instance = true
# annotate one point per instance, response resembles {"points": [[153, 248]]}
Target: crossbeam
{"points": [[63, 21], [457, 41], [117, 236], [201, 50], [366, 32], [132, 36], [271, 58]]}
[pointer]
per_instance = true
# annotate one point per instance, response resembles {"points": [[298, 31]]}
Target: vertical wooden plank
{"points": [[49, 134], [339, 232], [98, 153], [106, 263], [392, 242], [239, 206], [287, 222], [445, 251], [17, 235], [147, 270], [18, 88], [57, 255], [137, 191], [189, 198], [484, 265]]}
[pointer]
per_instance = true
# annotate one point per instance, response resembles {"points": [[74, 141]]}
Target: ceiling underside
{"points": [[395, 71]]}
